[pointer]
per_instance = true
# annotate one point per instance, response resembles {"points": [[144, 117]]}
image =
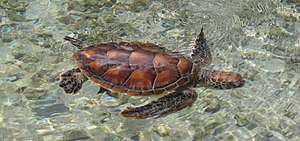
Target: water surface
{"points": [[259, 39]]}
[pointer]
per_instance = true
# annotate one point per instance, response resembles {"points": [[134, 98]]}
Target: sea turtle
{"points": [[142, 69]]}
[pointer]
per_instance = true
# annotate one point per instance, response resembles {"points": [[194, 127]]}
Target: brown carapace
{"points": [[141, 69]]}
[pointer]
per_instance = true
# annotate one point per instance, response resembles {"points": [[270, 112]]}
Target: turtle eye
{"points": [[235, 84]]}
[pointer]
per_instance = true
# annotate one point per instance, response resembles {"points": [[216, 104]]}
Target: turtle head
{"points": [[220, 79]]}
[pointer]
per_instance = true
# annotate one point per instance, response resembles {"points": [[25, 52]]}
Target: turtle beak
{"points": [[241, 83]]}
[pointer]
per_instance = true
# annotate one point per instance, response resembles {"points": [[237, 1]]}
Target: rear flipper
{"points": [[71, 81], [165, 105], [220, 79]]}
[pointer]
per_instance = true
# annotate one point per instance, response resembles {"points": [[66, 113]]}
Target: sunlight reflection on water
{"points": [[258, 39]]}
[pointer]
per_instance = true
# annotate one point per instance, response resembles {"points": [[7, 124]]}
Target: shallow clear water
{"points": [[259, 39]]}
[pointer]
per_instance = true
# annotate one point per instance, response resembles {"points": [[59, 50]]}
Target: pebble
{"points": [[75, 134], [162, 130]]}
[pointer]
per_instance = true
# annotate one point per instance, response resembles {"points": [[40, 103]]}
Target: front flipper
{"points": [[220, 79], [201, 53], [71, 81], [165, 105]]}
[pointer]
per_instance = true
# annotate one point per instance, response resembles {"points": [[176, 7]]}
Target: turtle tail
{"points": [[74, 42], [71, 81]]}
